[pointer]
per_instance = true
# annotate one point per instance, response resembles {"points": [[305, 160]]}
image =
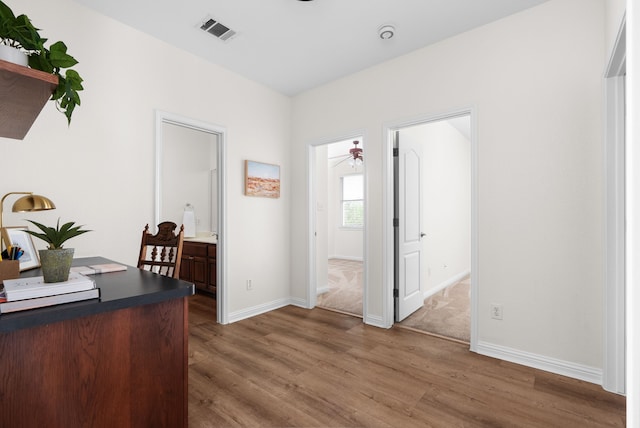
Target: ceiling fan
{"points": [[355, 156]]}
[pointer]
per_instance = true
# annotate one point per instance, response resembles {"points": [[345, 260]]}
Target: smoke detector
{"points": [[217, 29], [386, 32]]}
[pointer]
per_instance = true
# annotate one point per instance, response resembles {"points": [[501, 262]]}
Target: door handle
{"points": [[422, 235]]}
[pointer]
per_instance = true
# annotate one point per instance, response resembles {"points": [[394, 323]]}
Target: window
{"points": [[353, 201]]}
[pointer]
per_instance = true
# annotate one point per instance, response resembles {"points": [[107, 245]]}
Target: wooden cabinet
{"points": [[199, 265], [117, 361]]}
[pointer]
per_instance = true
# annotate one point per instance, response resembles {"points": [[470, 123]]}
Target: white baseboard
{"points": [[322, 289], [444, 284], [549, 364], [300, 302], [375, 321], [263, 308]]}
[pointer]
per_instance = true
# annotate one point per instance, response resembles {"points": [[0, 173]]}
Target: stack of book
{"points": [[103, 268], [29, 293]]}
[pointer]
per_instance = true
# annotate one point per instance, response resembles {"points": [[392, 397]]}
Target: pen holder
{"points": [[9, 269]]}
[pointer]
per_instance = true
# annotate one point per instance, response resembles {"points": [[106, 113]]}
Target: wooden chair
{"points": [[161, 253]]}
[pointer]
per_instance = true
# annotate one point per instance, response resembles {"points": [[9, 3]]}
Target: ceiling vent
{"points": [[217, 29]]}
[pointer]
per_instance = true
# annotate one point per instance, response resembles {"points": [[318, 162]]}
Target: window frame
{"points": [[343, 200]]}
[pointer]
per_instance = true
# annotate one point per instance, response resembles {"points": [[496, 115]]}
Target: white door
{"points": [[409, 232]]}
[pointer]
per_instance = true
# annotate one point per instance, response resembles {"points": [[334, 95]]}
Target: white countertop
{"points": [[207, 239]]}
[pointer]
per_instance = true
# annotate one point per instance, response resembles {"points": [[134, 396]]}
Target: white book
{"points": [[103, 268], [29, 288], [39, 302]]}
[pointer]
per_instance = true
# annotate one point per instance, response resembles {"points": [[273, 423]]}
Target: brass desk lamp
{"points": [[27, 203]]}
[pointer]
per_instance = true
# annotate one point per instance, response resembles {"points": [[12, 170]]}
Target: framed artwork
{"points": [[17, 237], [261, 179]]}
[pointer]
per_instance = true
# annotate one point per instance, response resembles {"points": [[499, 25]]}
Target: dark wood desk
{"points": [[120, 361]]}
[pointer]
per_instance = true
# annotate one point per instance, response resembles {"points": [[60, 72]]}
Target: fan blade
{"points": [[338, 163]]}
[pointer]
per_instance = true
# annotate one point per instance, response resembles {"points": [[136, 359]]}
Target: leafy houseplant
{"points": [[19, 32], [56, 260]]}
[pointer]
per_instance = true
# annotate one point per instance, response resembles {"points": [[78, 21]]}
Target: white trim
{"points": [[613, 376], [632, 192], [322, 289], [263, 308], [475, 228], [388, 244], [446, 283], [161, 117], [311, 297], [222, 297], [387, 214], [541, 362], [376, 321]]}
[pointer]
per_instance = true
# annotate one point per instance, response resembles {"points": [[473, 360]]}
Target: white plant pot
{"points": [[16, 56]]}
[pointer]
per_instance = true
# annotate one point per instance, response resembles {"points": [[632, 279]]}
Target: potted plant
{"points": [[55, 260], [18, 33]]}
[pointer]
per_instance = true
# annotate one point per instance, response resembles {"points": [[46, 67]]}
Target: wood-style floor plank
{"points": [[315, 368]]}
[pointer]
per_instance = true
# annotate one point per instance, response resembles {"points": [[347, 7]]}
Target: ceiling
{"points": [[292, 46]]}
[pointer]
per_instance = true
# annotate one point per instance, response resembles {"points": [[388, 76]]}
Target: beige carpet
{"points": [[447, 313], [345, 287]]}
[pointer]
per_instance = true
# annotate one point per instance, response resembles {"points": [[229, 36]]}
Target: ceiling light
{"points": [[386, 32], [356, 155]]}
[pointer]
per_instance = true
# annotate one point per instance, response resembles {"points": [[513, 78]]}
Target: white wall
{"points": [[100, 170], [535, 80], [189, 160], [446, 190], [614, 11]]}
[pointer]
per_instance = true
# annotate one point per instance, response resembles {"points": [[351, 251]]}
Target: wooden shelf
{"points": [[23, 93]]}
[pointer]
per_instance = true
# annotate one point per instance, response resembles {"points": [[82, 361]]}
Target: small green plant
{"points": [[55, 237], [19, 32]]}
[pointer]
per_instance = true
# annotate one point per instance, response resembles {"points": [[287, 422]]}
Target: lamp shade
{"points": [[32, 203]]}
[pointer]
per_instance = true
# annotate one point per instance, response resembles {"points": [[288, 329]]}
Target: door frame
{"points": [[613, 373], [312, 286], [221, 247], [388, 256]]}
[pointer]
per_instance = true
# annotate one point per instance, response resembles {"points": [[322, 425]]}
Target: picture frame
{"points": [[17, 236], [261, 179]]}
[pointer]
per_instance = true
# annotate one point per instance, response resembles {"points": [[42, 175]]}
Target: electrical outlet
{"points": [[249, 285], [496, 312]]}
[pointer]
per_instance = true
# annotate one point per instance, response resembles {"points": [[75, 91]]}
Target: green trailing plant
{"points": [[57, 236], [18, 32]]}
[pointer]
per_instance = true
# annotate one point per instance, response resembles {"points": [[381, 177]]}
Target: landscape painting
{"points": [[262, 179]]}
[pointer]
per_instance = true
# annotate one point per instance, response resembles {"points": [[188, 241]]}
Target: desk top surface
{"points": [[118, 290]]}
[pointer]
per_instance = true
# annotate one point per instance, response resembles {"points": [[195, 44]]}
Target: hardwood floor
{"points": [[315, 368]]}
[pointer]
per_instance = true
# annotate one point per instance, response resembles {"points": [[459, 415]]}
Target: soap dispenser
{"points": [[189, 221]]}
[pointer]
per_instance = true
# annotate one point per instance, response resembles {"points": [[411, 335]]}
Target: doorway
{"points": [[440, 215], [433, 205], [181, 143], [338, 223]]}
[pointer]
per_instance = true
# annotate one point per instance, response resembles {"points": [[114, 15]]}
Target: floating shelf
{"points": [[23, 93]]}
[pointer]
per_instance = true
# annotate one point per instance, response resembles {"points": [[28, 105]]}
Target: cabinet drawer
{"points": [[211, 250], [194, 249]]}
